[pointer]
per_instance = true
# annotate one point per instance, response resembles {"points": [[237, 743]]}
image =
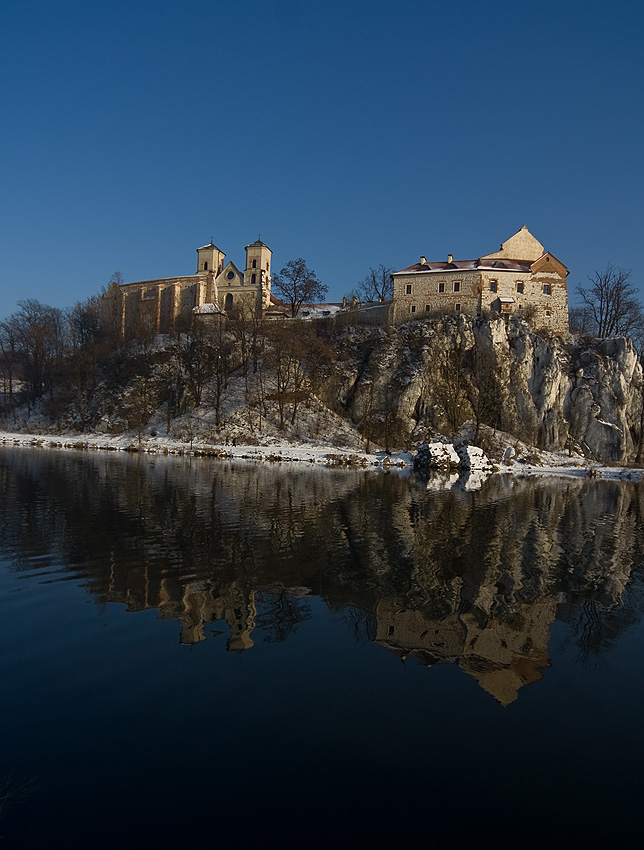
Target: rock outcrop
{"points": [[404, 385]]}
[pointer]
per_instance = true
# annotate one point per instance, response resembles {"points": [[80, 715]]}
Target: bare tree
{"points": [[449, 381], [580, 321], [9, 361], [295, 359], [39, 337], [483, 388], [297, 284], [85, 338], [378, 285], [612, 305]]}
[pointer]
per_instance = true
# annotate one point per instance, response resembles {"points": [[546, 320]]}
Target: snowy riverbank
{"points": [[529, 463]]}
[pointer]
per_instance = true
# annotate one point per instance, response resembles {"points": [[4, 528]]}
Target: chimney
{"points": [[450, 258], [423, 261]]}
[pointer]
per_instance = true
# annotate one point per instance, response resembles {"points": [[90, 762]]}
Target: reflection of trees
{"points": [[470, 578], [281, 612], [596, 627]]}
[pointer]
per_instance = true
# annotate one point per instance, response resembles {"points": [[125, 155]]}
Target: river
{"points": [[204, 651]]}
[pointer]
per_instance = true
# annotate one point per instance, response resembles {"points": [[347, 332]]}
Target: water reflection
{"points": [[233, 552]]}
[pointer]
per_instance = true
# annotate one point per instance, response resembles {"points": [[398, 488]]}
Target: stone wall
{"points": [[475, 292]]}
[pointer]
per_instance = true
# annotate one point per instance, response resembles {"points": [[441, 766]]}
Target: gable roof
{"points": [[229, 266], [519, 253], [521, 246]]}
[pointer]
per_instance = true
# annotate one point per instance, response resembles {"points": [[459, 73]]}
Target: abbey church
{"points": [[216, 287]]}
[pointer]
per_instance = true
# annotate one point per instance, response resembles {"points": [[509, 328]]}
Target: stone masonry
{"points": [[160, 304], [518, 279]]}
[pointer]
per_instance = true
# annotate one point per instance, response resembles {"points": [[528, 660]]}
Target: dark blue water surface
{"points": [[196, 652]]}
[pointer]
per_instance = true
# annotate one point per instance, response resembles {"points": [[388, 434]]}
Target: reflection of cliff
{"points": [[468, 578], [501, 656]]}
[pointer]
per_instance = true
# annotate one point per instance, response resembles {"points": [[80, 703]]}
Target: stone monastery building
{"points": [[519, 276], [216, 287]]}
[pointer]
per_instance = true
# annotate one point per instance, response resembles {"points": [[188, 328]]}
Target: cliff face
{"points": [[402, 384]]}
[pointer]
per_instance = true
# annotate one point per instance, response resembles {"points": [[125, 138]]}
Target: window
{"points": [[520, 287], [494, 285], [547, 290], [205, 266], [441, 287], [413, 308], [230, 275], [458, 308], [267, 269], [457, 286], [548, 313], [253, 278], [427, 308], [408, 289], [254, 264]]}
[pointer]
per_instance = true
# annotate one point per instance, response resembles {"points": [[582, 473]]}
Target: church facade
{"points": [[521, 278], [216, 287]]}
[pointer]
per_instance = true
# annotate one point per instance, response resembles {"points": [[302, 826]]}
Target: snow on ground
{"points": [[535, 465], [273, 451], [251, 431]]}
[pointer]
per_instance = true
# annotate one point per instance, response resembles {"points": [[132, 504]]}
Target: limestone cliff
{"points": [[401, 384]]}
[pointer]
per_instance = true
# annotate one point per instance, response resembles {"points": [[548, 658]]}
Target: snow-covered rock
{"points": [[436, 456], [473, 458]]}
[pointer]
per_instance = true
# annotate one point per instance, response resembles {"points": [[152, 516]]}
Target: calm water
{"points": [[198, 653]]}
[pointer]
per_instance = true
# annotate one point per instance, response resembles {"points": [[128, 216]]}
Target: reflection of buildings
{"points": [[200, 605], [449, 577], [501, 656], [194, 605]]}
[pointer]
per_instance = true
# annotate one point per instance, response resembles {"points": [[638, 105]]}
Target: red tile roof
{"points": [[467, 265]]}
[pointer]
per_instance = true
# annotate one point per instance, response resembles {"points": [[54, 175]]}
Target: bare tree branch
{"points": [[377, 285], [611, 303], [298, 284]]}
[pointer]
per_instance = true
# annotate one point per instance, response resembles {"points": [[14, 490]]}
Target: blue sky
{"points": [[348, 133]]}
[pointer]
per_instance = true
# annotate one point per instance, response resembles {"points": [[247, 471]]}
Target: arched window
{"points": [[254, 264], [253, 278], [205, 266], [228, 303]]}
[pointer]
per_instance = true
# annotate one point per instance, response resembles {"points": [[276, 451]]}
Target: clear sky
{"points": [[349, 133]]}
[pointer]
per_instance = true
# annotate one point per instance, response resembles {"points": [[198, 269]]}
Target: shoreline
{"points": [[556, 465], [325, 455]]}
